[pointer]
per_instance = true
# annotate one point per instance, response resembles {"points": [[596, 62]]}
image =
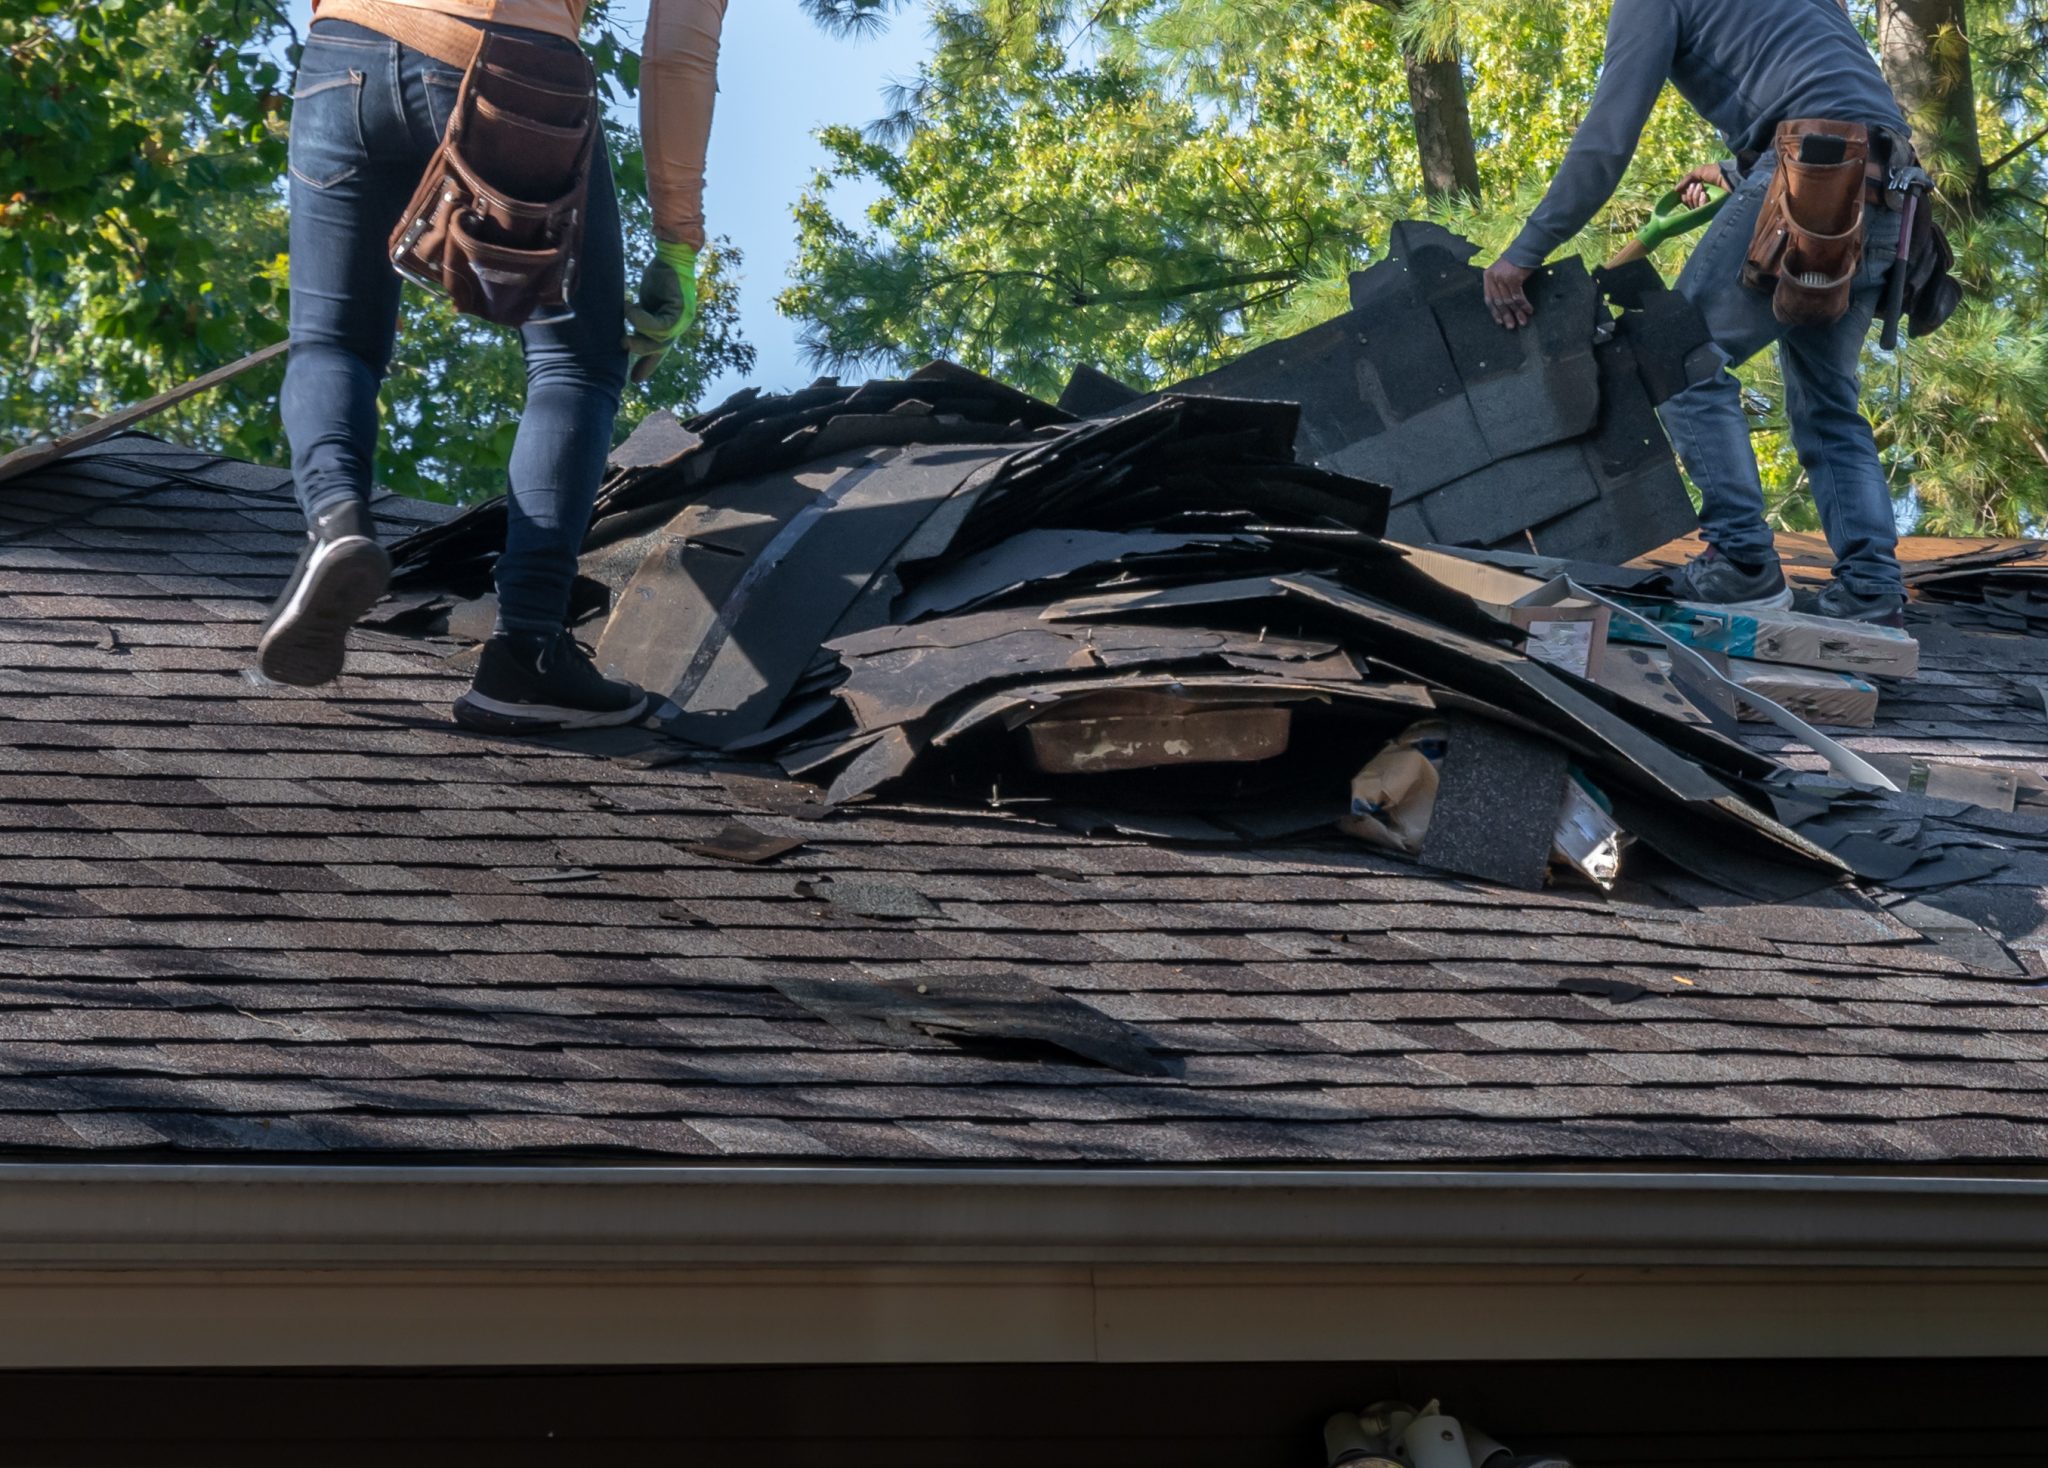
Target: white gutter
{"points": [[255, 1215]]}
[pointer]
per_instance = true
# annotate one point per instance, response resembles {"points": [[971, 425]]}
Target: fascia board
{"points": [[241, 1215]]}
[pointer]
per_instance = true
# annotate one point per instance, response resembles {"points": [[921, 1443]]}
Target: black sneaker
{"points": [[340, 575], [1845, 604], [532, 684], [1712, 578]]}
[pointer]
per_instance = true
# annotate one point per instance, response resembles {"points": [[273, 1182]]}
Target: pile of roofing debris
{"points": [[1158, 620], [2003, 586], [1396, 1435]]}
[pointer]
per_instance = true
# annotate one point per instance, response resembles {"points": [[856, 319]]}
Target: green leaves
{"points": [[143, 236], [1042, 213], [125, 171], [1153, 186]]}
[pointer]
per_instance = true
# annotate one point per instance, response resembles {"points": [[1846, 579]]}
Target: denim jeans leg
{"points": [[344, 297], [1836, 447], [1706, 422], [575, 376]]}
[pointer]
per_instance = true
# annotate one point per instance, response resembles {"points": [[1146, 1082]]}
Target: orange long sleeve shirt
{"points": [[678, 79]]}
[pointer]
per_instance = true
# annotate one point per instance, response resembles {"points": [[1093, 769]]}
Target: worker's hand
{"points": [[667, 306], [1507, 295], [1692, 189]]}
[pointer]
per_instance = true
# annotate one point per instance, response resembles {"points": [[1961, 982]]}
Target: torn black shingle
{"points": [[1545, 438]]}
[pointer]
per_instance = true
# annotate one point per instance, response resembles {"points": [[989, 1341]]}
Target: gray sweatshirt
{"points": [[1744, 65]]}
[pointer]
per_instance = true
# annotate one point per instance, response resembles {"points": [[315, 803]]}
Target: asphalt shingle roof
{"points": [[240, 919]]}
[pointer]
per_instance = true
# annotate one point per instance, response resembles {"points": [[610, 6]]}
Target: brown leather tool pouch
{"points": [[1808, 245], [497, 222]]}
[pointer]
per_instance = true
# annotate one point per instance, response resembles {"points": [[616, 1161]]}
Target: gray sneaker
{"points": [[341, 574], [1712, 578], [1844, 604]]}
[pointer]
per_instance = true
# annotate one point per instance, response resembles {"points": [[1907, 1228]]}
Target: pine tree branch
{"points": [[1157, 294], [2013, 152]]}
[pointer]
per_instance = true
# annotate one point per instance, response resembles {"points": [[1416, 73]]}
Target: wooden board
{"points": [[1814, 694], [1817, 695], [1196, 736], [37, 455], [1794, 638]]}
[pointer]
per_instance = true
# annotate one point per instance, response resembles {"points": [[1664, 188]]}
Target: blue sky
{"points": [[781, 79]]}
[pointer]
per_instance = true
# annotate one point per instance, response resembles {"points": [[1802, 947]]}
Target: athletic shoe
{"points": [[1847, 605], [340, 575], [528, 683], [1712, 578]]}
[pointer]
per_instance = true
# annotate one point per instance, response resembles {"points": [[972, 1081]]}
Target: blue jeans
{"points": [[1822, 387], [367, 113]]}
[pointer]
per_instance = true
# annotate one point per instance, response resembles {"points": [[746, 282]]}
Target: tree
{"points": [[142, 220], [1154, 185], [1190, 178], [1925, 48], [120, 125], [1440, 116], [1443, 121]]}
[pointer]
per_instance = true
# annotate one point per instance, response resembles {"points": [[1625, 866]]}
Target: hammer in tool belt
{"points": [[1911, 184]]}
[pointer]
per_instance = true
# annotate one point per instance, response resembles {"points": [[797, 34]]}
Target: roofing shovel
{"points": [[1670, 219]]}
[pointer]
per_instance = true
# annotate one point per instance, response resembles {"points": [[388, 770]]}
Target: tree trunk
{"points": [[1926, 56], [1443, 125]]}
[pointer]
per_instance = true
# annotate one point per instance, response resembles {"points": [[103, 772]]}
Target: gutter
{"points": [[95, 1216]]}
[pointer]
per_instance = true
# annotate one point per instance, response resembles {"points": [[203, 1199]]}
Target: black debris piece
{"points": [[1497, 804], [2003, 586], [885, 758], [1952, 868], [1045, 555], [744, 844], [980, 1009], [789, 798], [1092, 393], [1875, 859], [657, 442], [886, 900], [1944, 921], [1543, 440], [1620, 991]]}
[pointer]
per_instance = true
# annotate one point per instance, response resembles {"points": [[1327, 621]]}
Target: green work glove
{"points": [[667, 306]]}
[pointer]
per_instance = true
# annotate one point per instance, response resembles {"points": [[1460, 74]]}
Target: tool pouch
{"points": [[1808, 244], [496, 224], [1932, 291]]}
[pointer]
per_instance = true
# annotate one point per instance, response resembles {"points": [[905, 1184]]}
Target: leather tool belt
{"points": [[1808, 245], [497, 222]]}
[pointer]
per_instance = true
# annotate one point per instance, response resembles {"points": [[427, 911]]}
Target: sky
{"points": [[780, 79]]}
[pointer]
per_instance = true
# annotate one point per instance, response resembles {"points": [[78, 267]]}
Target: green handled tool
{"points": [[1670, 219]]}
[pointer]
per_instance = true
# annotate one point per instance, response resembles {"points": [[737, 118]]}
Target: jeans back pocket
{"points": [[441, 89], [327, 122]]}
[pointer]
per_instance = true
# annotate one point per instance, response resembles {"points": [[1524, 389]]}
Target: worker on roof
{"points": [[1747, 66], [372, 100]]}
